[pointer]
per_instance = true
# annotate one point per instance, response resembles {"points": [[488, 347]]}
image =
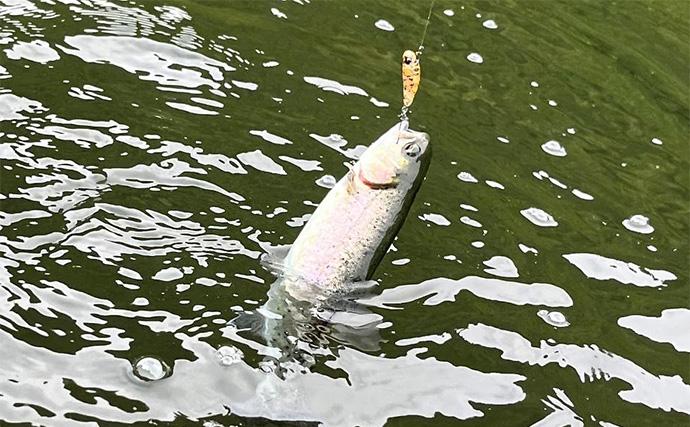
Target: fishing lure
{"points": [[411, 76]]}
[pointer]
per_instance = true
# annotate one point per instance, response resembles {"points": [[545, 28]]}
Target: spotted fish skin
{"points": [[352, 228]]}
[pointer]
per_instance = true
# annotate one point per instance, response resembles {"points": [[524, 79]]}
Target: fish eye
{"points": [[412, 149]]}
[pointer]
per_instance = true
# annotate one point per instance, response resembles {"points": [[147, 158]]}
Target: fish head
{"points": [[399, 156]]}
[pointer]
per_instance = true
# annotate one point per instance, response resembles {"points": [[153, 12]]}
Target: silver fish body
{"points": [[354, 225], [341, 245]]}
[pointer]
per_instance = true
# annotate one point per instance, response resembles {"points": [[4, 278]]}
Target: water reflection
{"points": [[146, 147], [590, 363]]}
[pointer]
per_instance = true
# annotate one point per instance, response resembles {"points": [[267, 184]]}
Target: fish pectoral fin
{"points": [[351, 189]]}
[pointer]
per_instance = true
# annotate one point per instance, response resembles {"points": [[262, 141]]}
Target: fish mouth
{"points": [[408, 135]]}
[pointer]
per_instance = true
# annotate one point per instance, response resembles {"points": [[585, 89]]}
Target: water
{"points": [[152, 151]]}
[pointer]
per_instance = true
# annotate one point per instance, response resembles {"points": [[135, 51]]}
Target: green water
{"points": [[152, 150]]}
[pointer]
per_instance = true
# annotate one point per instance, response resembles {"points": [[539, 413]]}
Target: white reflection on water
{"points": [[671, 327], [261, 162], [444, 290], [369, 396], [168, 65], [334, 86], [563, 412], [590, 363], [601, 268], [434, 218], [501, 266], [36, 51]]}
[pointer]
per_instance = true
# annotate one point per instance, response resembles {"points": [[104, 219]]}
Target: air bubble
{"points": [[490, 24], [384, 25], [467, 177], [150, 369], [554, 148], [229, 355], [475, 57], [538, 217], [267, 367], [638, 224], [554, 318]]}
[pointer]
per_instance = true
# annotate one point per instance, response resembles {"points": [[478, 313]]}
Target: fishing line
{"points": [[412, 61], [428, 19]]}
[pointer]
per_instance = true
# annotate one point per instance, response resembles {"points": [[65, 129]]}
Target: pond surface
{"points": [[152, 152]]}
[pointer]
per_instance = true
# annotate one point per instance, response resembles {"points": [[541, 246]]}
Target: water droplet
{"points": [[538, 217], [449, 12], [652, 248], [384, 25], [490, 24], [657, 141], [554, 148], [229, 355], [554, 318], [638, 224], [475, 57], [534, 84], [467, 177], [150, 369], [478, 244]]}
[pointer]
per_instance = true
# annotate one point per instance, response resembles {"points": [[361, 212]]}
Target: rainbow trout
{"points": [[353, 227], [339, 247]]}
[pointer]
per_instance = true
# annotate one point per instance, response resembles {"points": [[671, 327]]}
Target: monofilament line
{"points": [[426, 26]]}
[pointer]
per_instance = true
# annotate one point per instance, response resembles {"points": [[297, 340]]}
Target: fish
{"points": [[411, 76], [352, 228], [310, 305]]}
